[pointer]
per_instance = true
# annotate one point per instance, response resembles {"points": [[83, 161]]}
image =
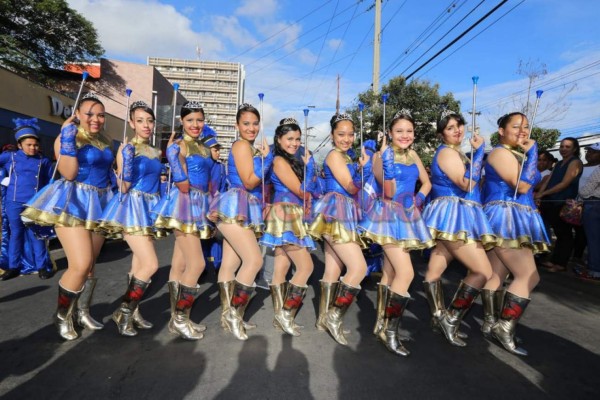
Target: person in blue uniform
{"points": [[518, 227], [29, 171], [456, 221], [74, 204], [128, 214], [285, 228], [238, 215], [184, 210], [213, 247], [336, 218], [394, 222]]}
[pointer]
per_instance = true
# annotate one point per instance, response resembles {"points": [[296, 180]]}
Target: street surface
{"points": [[561, 331]]}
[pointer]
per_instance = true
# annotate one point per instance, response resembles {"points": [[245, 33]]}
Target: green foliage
{"points": [[420, 97], [545, 138], [38, 35]]}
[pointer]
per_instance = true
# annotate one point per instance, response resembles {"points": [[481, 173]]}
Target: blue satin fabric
{"points": [[78, 202], [516, 222], [233, 176], [281, 192], [199, 170], [94, 166], [296, 233], [131, 212], [454, 214], [398, 221], [331, 184], [238, 204]]}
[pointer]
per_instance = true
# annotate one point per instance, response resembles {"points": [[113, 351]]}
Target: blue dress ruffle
{"points": [[185, 212], [454, 214], [516, 222]]}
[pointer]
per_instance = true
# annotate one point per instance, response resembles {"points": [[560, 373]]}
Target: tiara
{"points": [[90, 96], [447, 113], [139, 104], [288, 121], [245, 105], [404, 112], [192, 105], [342, 117]]}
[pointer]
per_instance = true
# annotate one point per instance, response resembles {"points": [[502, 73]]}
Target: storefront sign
{"points": [[59, 109]]}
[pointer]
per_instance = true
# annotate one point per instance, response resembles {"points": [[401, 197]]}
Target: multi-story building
{"points": [[218, 85]]}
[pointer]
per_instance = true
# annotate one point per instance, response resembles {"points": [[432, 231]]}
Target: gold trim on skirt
{"points": [[336, 232], [171, 223], [487, 241], [407, 244]]}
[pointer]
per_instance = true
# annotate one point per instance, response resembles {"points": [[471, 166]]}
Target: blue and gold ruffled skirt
{"points": [[284, 226], [68, 204], [184, 212], [389, 222], [455, 219], [516, 226], [237, 206], [131, 214], [336, 217]]}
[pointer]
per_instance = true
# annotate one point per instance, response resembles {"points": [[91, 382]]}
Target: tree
{"points": [[421, 98], [545, 138], [39, 35]]}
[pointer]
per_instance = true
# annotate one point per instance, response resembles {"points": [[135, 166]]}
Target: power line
{"points": [[468, 41], [321, 49], [408, 50], [444, 35], [480, 20]]}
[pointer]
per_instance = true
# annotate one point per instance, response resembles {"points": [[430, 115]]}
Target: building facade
{"points": [[218, 85]]}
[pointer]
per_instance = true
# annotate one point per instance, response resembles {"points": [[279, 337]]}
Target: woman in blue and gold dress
{"points": [[336, 217], [285, 229], [184, 210], [457, 222], [518, 227], [395, 223], [238, 215], [74, 205], [128, 214]]}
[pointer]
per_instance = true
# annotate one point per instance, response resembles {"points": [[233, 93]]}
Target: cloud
{"points": [[335, 44], [257, 8], [159, 29], [231, 29]]}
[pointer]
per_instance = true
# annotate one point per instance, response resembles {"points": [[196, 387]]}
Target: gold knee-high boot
{"points": [[63, 318], [240, 297], [124, 315], [286, 315], [84, 319], [186, 296], [504, 330], [450, 321], [343, 299], [225, 297], [490, 313], [394, 309], [173, 290], [138, 320], [328, 290], [435, 297], [382, 293]]}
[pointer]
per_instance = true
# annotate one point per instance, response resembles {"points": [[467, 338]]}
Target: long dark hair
{"points": [[282, 130], [575, 144]]}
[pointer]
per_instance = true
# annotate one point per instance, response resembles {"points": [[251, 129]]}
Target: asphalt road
{"points": [[560, 329]]}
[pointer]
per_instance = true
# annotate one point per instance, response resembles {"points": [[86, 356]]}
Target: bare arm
{"points": [[244, 163], [423, 176], [573, 171], [286, 175], [337, 164], [507, 167]]}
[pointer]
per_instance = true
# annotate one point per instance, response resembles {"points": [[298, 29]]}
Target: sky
{"points": [[293, 50]]}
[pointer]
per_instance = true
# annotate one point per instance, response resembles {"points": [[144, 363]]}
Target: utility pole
{"points": [[376, 46]]}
